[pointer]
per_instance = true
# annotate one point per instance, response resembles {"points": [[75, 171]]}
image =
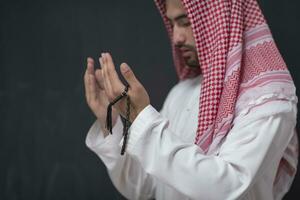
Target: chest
{"points": [[183, 112]]}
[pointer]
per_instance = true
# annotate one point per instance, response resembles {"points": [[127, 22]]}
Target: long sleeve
{"points": [[255, 143], [126, 173]]}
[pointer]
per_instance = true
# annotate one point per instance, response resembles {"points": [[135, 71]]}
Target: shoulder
{"points": [[285, 109]]}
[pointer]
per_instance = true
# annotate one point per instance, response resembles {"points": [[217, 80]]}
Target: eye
{"points": [[187, 24], [184, 22]]}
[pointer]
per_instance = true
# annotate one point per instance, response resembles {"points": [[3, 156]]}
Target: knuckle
{"points": [[139, 88], [92, 105], [110, 97], [116, 92], [107, 72], [89, 102]]}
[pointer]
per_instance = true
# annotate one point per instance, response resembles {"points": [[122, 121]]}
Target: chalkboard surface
{"points": [[43, 115]]}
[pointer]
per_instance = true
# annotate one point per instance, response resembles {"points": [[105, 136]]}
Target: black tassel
{"points": [[109, 109], [126, 125], [126, 120], [109, 118]]}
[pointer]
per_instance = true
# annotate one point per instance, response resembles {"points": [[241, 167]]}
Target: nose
{"points": [[178, 36]]}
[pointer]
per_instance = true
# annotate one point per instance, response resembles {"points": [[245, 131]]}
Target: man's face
{"points": [[183, 37]]}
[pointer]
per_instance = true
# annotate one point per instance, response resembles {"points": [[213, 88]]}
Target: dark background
{"points": [[43, 114]]}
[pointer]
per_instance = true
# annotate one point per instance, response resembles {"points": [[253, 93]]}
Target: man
{"points": [[226, 130]]}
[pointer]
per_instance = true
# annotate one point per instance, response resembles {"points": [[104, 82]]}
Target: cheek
{"points": [[195, 57], [191, 37]]}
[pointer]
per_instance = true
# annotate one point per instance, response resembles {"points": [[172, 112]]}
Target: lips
{"points": [[184, 49], [186, 53]]}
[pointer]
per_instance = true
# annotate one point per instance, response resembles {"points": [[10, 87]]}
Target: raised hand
{"points": [[113, 87], [95, 95]]}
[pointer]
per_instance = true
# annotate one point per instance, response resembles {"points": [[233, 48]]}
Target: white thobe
{"points": [[162, 161]]}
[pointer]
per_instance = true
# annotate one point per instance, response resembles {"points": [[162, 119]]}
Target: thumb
{"points": [[128, 75]]}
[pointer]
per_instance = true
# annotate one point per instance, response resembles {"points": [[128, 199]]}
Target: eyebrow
{"points": [[179, 17]]}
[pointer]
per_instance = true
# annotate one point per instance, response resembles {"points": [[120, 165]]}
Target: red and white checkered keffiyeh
{"points": [[241, 66]]}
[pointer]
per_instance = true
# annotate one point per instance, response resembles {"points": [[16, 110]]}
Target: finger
{"points": [[86, 78], [92, 88], [111, 71], [105, 81], [86, 86], [129, 76], [101, 62], [90, 65], [114, 80], [99, 78]]}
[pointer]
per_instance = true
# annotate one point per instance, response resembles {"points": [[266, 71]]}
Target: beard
{"points": [[191, 60]]}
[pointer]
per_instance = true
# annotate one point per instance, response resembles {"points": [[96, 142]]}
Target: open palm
{"points": [[95, 94]]}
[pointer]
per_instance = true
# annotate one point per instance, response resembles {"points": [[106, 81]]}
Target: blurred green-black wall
{"points": [[43, 115]]}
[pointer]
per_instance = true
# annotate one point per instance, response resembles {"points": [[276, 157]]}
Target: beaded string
{"points": [[126, 125], [126, 119]]}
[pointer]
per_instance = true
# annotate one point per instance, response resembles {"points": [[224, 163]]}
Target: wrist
{"points": [[137, 112], [105, 132]]}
